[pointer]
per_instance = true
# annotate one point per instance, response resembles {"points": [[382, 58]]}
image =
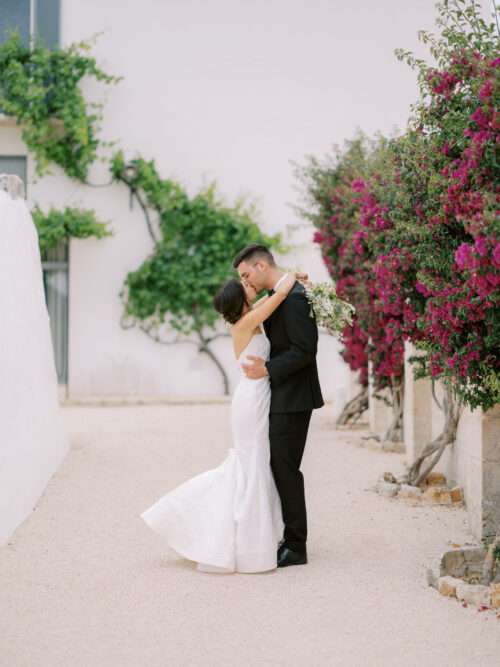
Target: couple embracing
{"points": [[249, 514]]}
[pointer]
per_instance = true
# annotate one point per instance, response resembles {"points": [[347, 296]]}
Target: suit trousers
{"points": [[287, 435]]}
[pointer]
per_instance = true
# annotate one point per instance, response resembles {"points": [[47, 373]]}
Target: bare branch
{"points": [[134, 192], [205, 349], [219, 335], [395, 431], [354, 408], [452, 411], [433, 391]]}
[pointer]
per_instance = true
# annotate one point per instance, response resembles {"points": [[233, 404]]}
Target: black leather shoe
{"points": [[288, 557]]}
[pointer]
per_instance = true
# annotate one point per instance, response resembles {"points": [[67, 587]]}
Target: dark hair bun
{"points": [[229, 300]]}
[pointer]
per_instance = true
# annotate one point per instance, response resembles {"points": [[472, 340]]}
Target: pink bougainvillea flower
{"points": [[481, 245], [486, 90], [358, 185], [480, 118], [465, 258], [496, 255]]}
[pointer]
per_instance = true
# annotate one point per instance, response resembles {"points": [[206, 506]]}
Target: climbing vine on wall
{"points": [[194, 240], [40, 88], [56, 225]]}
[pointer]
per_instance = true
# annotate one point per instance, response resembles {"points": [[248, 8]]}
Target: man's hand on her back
{"points": [[256, 370]]}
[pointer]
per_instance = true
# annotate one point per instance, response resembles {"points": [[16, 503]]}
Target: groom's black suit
{"points": [[295, 392]]}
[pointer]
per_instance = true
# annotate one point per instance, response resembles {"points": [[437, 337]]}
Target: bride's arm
{"points": [[261, 301], [301, 277], [256, 316]]}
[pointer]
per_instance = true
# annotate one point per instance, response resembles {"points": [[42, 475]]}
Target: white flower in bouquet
{"points": [[331, 312]]}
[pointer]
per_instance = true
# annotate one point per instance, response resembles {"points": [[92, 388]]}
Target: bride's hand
{"points": [[287, 283], [303, 278]]}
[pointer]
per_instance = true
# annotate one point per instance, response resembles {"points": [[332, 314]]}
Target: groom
{"points": [[295, 391]]}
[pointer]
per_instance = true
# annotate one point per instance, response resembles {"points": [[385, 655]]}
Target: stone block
{"points": [[387, 489], [456, 494], [408, 491], [464, 562], [473, 594], [453, 563], [435, 478], [495, 595], [448, 586], [474, 555], [437, 495], [474, 561]]}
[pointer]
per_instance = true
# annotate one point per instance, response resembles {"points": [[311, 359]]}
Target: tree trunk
{"points": [[204, 347], [434, 450], [354, 408], [395, 431], [203, 343]]}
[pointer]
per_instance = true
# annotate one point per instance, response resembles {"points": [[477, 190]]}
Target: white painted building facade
{"points": [[222, 90]]}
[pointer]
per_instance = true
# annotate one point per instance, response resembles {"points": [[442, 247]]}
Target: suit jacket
{"points": [[292, 369]]}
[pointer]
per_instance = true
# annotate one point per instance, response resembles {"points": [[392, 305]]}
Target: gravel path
{"points": [[85, 583]]}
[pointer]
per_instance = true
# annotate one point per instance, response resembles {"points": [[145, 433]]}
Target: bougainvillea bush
{"points": [[353, 231], [331, 209], [448, 204], [409, 228]]}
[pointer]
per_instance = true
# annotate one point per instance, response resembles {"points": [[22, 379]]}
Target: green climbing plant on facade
{"points": [[40, 88], [193, 238], [55, 226], [169, 296]]}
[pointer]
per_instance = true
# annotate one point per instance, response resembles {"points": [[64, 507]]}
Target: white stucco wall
{"points": [[33, 441], [221, 90]]}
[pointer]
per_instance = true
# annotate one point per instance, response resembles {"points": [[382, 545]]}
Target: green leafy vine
{"points": [[56, 225], [194, 240], [40, 88]]}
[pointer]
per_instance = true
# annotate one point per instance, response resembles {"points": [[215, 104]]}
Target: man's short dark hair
{"points": [[254, 251]]}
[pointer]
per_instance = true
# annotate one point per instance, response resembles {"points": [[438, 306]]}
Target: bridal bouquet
{"points": [[330, 311]]}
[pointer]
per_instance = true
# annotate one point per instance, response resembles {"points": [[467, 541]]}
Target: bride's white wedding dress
{"points": [[228, 519]]}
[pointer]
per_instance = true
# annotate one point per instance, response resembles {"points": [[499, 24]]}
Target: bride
{"points": [[228, 519]]}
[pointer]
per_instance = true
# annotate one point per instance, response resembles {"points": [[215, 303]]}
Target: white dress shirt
{"points": [[280, 281]]}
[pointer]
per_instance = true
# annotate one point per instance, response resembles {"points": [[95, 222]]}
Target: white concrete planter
{"points": [[472, 462]]}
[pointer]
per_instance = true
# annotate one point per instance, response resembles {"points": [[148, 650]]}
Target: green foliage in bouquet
{"points": [[331, 312]]}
